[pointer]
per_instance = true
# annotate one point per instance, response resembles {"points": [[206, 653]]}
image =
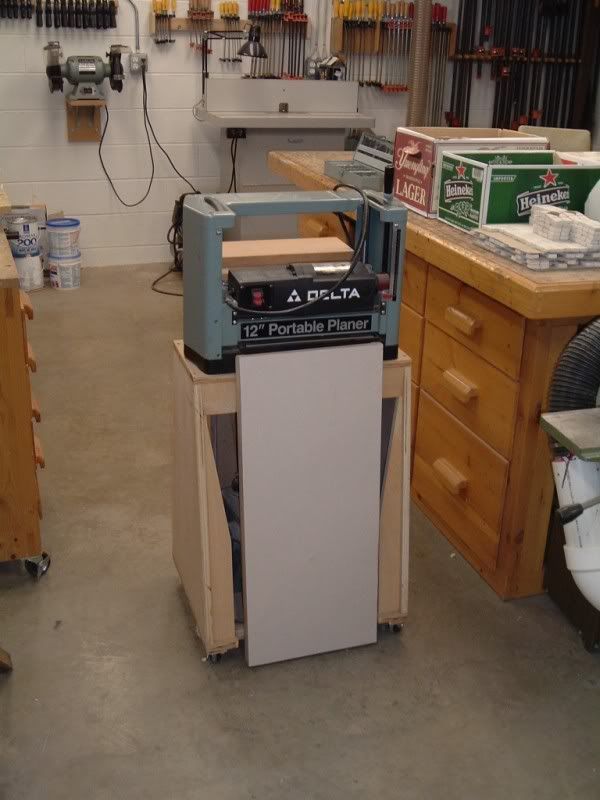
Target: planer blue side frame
{"points": [[211, 329]]}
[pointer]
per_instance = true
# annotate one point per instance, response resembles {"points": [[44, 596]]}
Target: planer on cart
{"points": [[296, 305]]}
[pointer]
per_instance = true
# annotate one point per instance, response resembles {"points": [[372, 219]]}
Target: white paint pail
{"points": [[31, 274], [26, 241], [65, 272], [63, 237]]}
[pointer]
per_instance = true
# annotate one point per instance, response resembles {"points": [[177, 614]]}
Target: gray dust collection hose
{"points": [[576, 378], [419, 64]]}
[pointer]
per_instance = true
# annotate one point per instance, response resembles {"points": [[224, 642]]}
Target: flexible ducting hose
{"points": [[576, 378], [419, 64]]}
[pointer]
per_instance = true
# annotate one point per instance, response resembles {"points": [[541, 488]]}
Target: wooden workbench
{"points": [[484, 335], [20, 449]]}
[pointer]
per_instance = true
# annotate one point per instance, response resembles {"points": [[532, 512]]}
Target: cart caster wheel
{"points": [[214, 658], [591, 646], [38, 566], [397, 628]]}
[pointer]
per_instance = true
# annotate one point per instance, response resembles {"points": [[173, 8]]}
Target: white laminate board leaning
{"points": [[309, 432]]}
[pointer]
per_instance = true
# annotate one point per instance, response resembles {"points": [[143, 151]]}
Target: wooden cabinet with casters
{"points": [[21, 452]]}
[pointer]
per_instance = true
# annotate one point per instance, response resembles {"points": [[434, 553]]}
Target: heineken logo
{"points": [[554, 196], [458, 190]]}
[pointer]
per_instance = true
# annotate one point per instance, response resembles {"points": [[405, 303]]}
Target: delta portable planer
{"points": [[253, 310]]}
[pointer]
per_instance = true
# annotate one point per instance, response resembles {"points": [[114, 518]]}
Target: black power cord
{"points": [[233, 153], [175, 230], [355, 260]]}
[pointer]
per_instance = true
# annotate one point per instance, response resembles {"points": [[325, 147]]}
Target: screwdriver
{"points": [[56, 10], [39, 14], [84, 14], [9, 13], [105, 15], [78, 13], [70, 14], [3, 9], [64, 18], [23, 9], [112, 14], [48, 14], [29, 9], [98, 15]]}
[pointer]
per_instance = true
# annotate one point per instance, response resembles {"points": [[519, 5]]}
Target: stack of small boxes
{"points": [[560, 225]]}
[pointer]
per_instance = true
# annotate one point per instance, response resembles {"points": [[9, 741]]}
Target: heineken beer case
{"points": [[474, 193], [418, 153]]}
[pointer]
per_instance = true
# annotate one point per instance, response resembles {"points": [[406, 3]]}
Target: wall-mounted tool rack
{"points": [[543, 62], [374, 39], [62, 14]]}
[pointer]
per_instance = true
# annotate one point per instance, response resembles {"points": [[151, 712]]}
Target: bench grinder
{"points": [[85, 73]]}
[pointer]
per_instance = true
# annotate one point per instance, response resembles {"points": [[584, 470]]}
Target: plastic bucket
{"points": [[31, 274], [26, 237], [65, 272], [63, 237]]}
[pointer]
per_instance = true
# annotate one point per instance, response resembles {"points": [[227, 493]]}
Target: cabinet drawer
{"points": [[478, 394], [414, 282], [460, 478], [484, 326], [411, 338]]}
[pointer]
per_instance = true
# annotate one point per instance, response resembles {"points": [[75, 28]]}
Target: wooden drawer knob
{"points": [[39, 452], [26, 307], [461, 389], [453, 480], [461, 321], [35, 409], [31, 358]]}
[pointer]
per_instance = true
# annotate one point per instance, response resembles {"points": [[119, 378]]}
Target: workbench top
{"points": [[535, 295]]}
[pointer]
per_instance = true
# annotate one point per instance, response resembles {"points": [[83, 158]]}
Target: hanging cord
{"points": [[104, 169], [233, 153]]}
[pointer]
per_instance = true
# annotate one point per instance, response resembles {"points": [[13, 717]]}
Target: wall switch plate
{"points": [[137, 61]]}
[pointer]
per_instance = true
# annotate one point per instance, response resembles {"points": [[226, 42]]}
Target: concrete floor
{"points": [[110, 697]]}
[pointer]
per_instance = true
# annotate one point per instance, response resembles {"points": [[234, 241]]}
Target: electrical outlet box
{"points": [[137, 62], [236, 133]]}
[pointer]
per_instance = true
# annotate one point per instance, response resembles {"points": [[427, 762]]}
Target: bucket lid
{"points": [[63, 222]]}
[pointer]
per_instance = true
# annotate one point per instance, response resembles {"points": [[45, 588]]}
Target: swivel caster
{"points": [[396, 628], [38, 566], [214, 658]]}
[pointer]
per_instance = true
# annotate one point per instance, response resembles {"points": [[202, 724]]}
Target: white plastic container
{"points": [[65, 272], [31, 274], [63, 237], [26, 243]]}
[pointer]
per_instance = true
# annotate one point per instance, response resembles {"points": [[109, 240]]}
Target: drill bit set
{"points": [[164, 13], [201, 16], [63, 13], [230, 16], [284, 28]]}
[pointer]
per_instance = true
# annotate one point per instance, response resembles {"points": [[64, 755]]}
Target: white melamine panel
{"points": [[96, 197], [225, 94], [309, 443], [82, 163]]}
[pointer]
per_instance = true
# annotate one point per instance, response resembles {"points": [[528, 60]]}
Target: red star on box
{"points": [[549, 178], [460, 171]]}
